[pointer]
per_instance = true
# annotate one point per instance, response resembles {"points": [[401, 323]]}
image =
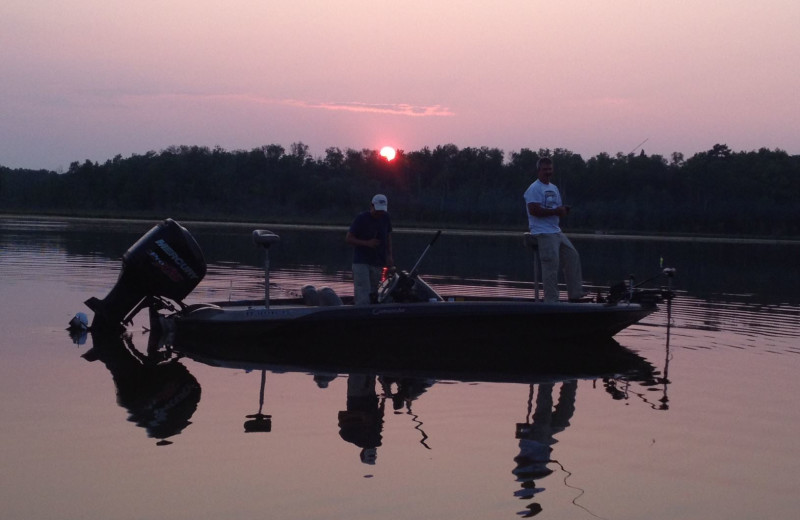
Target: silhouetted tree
{"points": [[718, 191]]}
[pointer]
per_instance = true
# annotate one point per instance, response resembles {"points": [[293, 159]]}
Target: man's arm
{"points": [[537, 210], [351, 239]]}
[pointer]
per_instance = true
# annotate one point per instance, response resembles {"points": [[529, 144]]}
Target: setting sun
{"points": [[388, 152]]}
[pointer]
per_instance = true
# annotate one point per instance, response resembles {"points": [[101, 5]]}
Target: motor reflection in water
{"points": [[159, 393]]}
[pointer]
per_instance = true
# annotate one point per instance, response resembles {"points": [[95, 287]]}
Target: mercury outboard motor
{"points": [[166, 262]]}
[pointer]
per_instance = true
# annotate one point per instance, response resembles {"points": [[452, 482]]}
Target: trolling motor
{"points": [[633, 292], [165, 262]]}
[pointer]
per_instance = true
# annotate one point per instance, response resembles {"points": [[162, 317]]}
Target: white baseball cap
{"points": [[379, 202]]}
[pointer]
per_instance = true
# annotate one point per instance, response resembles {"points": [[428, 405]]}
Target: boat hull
{"points": [[459, 335], [436, 320]]}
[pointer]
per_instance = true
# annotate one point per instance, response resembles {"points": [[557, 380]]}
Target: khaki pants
{"points": [[556, 251], [365, 282]]}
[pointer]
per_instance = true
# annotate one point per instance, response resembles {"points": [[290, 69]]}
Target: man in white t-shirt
{"points": [[545, 209]]}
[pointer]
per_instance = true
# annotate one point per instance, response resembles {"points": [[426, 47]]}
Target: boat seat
{"points": [[324, 297], [310, 295], [531, 243], [329, 298]]}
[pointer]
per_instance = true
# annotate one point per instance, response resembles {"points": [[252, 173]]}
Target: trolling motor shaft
{"points": [[265, 238]]}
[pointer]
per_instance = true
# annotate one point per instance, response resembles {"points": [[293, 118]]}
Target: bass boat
{"points": [[166, 264]]}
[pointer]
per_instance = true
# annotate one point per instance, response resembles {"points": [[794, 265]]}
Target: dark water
{"points": [[104, 430]]}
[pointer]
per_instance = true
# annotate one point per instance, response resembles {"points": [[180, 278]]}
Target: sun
{"points": [[388, 153]]}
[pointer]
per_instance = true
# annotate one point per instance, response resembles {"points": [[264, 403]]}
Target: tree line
{"points": [[717, 192]]}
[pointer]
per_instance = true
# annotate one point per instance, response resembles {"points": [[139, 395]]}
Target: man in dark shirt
{"points": [[371, 236]]}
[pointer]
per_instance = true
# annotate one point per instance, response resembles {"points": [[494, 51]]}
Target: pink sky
{"points": [[91, 79]]}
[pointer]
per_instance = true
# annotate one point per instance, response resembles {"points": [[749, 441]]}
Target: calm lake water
{"points": [[104, 431]]}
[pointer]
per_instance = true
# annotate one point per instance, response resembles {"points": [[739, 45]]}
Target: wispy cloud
{"points": [[397, 109]]}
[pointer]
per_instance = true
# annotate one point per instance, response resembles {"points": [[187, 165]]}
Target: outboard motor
{"points": [[166, 262]]}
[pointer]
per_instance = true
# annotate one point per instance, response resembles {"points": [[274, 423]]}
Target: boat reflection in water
{"points": [[387, 381], [462, 358], [161, 395], [158, 392]]}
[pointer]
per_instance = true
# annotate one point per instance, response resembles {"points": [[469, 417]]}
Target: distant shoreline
{"points": [[400, 229]]}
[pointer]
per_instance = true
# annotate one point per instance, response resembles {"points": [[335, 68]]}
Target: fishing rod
{"points": [[638, 146], [414, 269]]}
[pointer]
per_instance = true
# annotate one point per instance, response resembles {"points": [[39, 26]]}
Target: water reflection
{"points": [[259, 422], [161, 395], [537, 436], [463, 358], [403, 391], [158, 392], [551, 406], [361, 423], [655, 385]]}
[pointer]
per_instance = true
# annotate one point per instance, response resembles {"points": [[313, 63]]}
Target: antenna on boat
{"points": [[265, 238]]}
